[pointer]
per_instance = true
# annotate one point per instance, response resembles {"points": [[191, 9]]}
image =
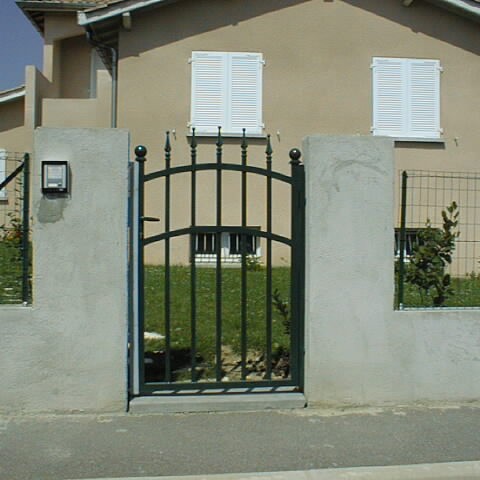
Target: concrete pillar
{"points": [[349, 270], [80, 272]]}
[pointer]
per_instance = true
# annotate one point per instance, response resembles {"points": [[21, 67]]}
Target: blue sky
{"points": [[20, 45]]}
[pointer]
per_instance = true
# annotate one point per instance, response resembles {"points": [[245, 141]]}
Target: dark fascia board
{"points": [[101, 13]]}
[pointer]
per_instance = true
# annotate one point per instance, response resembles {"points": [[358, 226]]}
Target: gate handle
{"points": [[149, 219]]}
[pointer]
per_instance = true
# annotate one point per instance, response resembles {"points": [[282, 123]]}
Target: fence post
{"points": [[25, 248], [140, 158], [297, 294], [401, 260]]}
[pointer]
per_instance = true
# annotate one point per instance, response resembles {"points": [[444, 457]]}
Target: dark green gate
{"points": [[225, 319]]}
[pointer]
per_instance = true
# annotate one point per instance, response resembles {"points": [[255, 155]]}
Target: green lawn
{"points": [[10, 272], [466, 293], [206, 310]]}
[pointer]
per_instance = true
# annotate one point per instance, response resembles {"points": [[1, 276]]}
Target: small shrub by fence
{"points": [[437, 241], [15, 256]]}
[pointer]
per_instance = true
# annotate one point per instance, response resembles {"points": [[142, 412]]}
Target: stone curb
{"points": [[430, 471]]}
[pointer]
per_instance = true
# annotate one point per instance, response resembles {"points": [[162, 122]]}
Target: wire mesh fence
{"points": [[437, 241], [15, 264]]}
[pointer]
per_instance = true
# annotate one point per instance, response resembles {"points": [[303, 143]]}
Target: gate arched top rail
{"points": [[214, 229], [214, 166]]}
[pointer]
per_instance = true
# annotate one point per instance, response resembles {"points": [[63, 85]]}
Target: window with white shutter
{"points": [[3, 172], [226, 92], [406, 98]]}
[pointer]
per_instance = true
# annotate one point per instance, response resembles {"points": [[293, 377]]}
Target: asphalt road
{"points": [[99, 446]]}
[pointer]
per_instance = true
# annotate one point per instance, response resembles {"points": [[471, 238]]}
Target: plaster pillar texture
{"points": [[358, 350], [69, 351]]}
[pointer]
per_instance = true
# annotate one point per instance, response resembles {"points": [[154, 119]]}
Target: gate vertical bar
{"points": [[193, 267], [401, 260], [243, 251], [218, 251], [297, 272], [25, 248], [268, 306], [140, 153], [168, 372]]}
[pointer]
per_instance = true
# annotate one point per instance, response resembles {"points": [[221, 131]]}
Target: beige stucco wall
{"points": [[315, 80], [57, 27], [67, 60], [20, 117], [317, 77], [80, 112], [59, 96], [75, 68], [13, 135]]}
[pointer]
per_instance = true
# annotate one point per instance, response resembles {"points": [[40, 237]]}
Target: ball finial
{"points": [[295, 155], [140, 151]]}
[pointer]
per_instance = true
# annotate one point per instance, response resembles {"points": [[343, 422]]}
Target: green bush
{"points": [[432, 253]]}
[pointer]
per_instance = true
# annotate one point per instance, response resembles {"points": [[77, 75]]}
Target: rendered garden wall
{"points": [[358, 349], [68, 352]]}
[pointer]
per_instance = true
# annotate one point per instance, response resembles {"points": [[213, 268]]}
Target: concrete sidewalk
{"points": [[303, 444]]}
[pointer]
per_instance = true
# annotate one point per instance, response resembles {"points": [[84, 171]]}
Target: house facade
{"points": [[408, 70]]}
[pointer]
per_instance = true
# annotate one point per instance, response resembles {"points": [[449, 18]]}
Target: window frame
{"points": [[411, 239], [226, 246], [406, 99], [226, 86]]}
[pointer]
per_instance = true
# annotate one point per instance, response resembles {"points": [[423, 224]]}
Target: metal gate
{"points": [[228, 317]]}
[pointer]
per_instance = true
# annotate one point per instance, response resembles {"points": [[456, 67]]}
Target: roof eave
{"points": [[464, 8], [34, 10], [12, 94], [102, 13], [58, 6]]}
